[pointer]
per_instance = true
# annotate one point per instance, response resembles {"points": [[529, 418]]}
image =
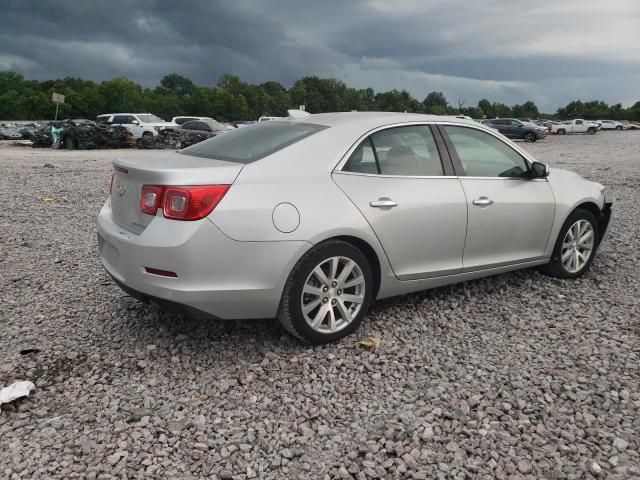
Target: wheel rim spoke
{"points": [[346, 271], [352, 298], [311, 290], [320, 275], [320, 316], [333, 272], [586, 238], [332, 320], [310, 306]]}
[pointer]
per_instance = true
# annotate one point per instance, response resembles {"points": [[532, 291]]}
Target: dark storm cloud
{"points": [[467, 49]]}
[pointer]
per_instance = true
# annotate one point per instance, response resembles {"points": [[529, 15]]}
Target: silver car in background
{"points": [[311, 219]]}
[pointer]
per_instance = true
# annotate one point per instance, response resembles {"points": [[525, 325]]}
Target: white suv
{"points": [[141, 125]]}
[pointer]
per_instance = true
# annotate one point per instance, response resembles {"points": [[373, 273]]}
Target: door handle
{"points": [[383, 202], [483, 201]]}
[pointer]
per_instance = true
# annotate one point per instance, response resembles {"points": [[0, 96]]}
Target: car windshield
{"points": [[245, 145], [148, 118]]}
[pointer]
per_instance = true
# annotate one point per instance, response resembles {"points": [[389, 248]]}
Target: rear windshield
{"points": [[245, 145]]}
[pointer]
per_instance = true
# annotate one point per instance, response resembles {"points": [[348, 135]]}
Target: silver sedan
{"points": [[311, 219]]}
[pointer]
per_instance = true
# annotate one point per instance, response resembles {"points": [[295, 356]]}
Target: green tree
{"points": [[174, 84], [436, 103]]}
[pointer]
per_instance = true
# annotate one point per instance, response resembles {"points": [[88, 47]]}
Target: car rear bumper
{"points": [[216, 275]]}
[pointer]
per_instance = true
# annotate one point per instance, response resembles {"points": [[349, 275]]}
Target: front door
{"points": [[397, 180], [510, 215]]}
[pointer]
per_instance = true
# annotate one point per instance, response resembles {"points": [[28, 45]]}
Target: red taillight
{"points": [[181, 202], [151, 199]]}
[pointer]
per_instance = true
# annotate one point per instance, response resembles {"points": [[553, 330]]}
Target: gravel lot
{"points": [[516, 376]]}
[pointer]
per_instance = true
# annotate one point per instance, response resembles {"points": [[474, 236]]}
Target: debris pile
{"points": [[88, 135], [172, 139], [91, 135], [82, 135]]}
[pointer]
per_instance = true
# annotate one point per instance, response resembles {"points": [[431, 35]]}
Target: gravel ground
{"points": [[516, 376]]}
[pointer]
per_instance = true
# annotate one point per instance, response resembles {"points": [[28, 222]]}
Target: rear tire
{"points": [[327, 293], [69, 143], [575, 247], [562, 131]]}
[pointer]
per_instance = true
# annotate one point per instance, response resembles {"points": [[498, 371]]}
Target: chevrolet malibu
{"points": [[311, 219]]}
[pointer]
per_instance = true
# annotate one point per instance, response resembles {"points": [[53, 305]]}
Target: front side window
{"points": [[578, 122], [483, 155], [405, 151], [246, 145]]}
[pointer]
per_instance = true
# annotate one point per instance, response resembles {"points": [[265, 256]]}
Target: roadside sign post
{"points": [[58, 99]]}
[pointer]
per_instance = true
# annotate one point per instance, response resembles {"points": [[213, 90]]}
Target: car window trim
{"points": [[458, 164], [445, 159]]}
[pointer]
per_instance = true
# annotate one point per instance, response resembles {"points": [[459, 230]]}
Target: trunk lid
{"points": [[160, 168]]}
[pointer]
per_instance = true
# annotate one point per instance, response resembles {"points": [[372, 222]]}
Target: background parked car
{"points": [[575, 126], [198, 130], [610, 125], [141, 125], [515, 129], [184, 119]]}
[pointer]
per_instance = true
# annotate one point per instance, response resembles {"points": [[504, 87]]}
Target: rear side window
{"points": [[246, 145], [405, 151]]}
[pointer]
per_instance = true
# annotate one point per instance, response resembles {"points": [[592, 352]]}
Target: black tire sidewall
{"points": [[556, 261], [299, 277]]}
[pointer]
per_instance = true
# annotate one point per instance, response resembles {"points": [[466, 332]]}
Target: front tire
{"points": [[562, 131], [591, 131], [619, 127], [327, 293], [529, 137], [575, 247]]}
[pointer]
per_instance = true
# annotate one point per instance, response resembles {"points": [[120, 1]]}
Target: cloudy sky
{"points": [[509, 51]]}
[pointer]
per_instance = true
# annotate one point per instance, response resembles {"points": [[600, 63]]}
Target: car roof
{"points": [[123, 113], [373, 119]]}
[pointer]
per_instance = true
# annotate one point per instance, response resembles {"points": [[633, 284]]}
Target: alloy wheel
{"points": [[333, 294], [577, 246]]}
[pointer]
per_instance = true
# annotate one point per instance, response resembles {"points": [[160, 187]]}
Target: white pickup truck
{"points": [[575, 126]]}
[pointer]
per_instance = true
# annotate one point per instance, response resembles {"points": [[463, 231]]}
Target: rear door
{"points": [[406, 189], [509, 215]]}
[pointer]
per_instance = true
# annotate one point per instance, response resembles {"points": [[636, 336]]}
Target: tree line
{"points": [[232, 99]]}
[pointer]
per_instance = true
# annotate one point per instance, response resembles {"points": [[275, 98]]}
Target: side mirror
{"points": [[539, 170], [135, 122]]}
